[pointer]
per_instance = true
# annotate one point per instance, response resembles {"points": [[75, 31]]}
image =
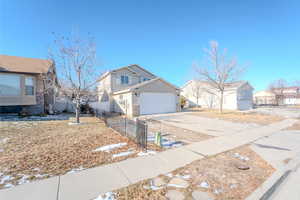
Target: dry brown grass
{"points": [[219, 171], [295, 126], [236, 116], [56, 147]]}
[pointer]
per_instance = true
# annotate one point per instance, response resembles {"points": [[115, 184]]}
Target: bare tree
{"points": [[278, 87], [219, 70], [197, 91], [75, 57]]}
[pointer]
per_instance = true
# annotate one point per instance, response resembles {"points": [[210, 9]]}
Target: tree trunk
{"points": [[77, 111], [221, 102]]}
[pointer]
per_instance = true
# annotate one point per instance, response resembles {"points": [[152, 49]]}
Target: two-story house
{"points": [[134, 91], [278, 96]]}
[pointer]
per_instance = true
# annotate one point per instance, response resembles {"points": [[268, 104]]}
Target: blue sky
{"points": [[165, 37]]}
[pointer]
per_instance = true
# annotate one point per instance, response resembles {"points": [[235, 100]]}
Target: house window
{"points": [[146, 79], [10, 85], [29, 86], [124, 80]]}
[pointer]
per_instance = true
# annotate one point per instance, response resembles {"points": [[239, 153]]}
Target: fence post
{"points": [[146, 135]]}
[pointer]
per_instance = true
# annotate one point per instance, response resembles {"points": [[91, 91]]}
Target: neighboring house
{"points": [[26, 84], [237, 95], [287, 95], [264, 97], [135, 91], [278, 96]]}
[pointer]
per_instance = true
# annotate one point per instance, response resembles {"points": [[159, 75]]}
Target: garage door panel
{"points": [[151, 103]]}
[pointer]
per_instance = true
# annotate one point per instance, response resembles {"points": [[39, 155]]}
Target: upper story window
{"points": [[10, 85], [146, 79], [29, 86], [124, 80]]}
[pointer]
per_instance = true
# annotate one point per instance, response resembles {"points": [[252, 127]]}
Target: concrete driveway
{"points": [[209, 126]]}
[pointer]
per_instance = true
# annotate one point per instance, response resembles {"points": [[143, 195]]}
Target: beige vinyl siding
{"points": [[142, 73], [116, 84], [123, 103]]}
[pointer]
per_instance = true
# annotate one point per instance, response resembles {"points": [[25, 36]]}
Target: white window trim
{"points": [[124, 83], [33, 83]]}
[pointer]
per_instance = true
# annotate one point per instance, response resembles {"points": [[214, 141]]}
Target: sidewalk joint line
{"points": [[58, 186], [127, 178]]}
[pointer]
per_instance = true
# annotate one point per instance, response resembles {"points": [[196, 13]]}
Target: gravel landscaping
{"points": [[31, 150], [229, 175]]}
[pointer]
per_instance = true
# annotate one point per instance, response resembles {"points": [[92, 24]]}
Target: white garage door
{"points": [[151, 103]]}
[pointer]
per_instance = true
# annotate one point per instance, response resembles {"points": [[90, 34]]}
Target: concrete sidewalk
{"points": [[88, 184]]}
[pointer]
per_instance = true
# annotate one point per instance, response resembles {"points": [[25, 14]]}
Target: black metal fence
{"points": [[136, 130]]}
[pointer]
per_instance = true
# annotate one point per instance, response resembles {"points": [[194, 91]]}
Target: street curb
{"points": [[267, 189]]}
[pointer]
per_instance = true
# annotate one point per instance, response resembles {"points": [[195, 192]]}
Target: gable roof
{"points": [[129, 67], [140, 85], [232, 85], [24, 65]]}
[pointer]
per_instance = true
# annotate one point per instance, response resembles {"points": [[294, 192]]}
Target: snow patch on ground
{"points": [[171, 144], [75, 170], [147, 153], [8, 185], [244, 158], [106, 196], [176, 185], [204, 185], [5, 178], [110, 147], [4, 140], [166, 142], [41, 175], [34, 118], [186, 177], [23, 180], [126, 153], [170, 175], [152, 187]]}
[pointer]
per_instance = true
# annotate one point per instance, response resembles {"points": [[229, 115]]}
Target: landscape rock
{"points": [[174, 195], [198, 195], [178, 182], [204, 184], [242, 166], [158, 182]]}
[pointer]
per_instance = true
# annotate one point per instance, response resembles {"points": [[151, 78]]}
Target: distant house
{"points": [[264, 97], [278, 96], [288, 95], [134, 91], [26, 84], [237, 95]]}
